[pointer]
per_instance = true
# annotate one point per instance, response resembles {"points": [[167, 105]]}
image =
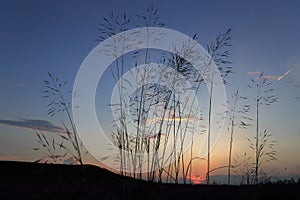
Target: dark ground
{"points": [[22, 180]]}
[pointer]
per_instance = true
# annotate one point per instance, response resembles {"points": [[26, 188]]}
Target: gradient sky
{"points": [[55, 36]]}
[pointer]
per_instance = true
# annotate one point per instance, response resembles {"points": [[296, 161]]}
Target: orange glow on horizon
{"points": [[198, 179], [13, 157]]}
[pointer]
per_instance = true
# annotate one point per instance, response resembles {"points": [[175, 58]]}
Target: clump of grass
{"points": [[153, 102], [130, 145], [55, 91]]}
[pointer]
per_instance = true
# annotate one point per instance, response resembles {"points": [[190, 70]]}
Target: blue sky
{"points": [[37, 37]]}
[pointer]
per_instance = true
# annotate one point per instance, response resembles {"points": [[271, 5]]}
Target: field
{"points": [[22, 180]]}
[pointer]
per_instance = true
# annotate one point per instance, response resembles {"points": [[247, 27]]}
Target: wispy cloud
{"points": [[285, 74], [275, 77], [187, 118], [254, 72], [36, 124]]}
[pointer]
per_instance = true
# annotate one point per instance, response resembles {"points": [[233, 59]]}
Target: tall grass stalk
{"points": [[220, 55], [263, 97], [237, 119], [109, 27]]}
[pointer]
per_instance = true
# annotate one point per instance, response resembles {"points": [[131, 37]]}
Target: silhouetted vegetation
{"points": [[237, 119], [262, 144], [55, 91], [164, 116]]}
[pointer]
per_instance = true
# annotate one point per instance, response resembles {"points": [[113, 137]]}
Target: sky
{"points": [[37, 37]]}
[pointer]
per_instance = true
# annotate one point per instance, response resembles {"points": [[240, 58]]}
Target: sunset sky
{"points": [[37, 37]]}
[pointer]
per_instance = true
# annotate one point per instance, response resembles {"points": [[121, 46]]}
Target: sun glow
{"points": [[198, 179]]}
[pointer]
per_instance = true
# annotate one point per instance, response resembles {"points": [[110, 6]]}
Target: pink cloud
{"points": [[275, 77], [256, 72]]}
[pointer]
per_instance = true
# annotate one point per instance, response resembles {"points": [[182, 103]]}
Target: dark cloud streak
{"points": [[35, 124]]}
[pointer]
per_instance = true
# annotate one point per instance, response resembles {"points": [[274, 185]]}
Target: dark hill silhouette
{"points": [[23, 180]]}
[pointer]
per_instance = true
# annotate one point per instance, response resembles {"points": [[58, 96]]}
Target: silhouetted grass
{"points": [[262, 144], [160, 117], [220, 56], [55, 92], [238, 119]]}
